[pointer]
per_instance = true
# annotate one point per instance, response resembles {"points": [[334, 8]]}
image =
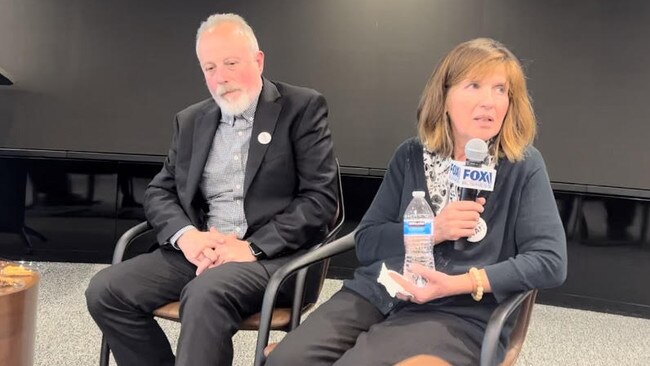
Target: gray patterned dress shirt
{"points": [[222, 181]]}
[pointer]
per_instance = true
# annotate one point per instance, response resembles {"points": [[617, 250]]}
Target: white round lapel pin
{"points": [[264, 138], [479, 231]]}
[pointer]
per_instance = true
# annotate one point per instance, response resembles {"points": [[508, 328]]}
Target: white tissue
{"points": [[389, 283]]}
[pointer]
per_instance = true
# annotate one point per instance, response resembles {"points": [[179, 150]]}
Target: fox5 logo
{"points": [[472, 177]]}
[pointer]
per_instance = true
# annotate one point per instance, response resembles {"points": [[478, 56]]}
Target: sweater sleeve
{"points": [[541, 259], [380, 232]]}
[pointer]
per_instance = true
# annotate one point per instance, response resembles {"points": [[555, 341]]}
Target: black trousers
{"points": [[121, 299], [349, 330]]}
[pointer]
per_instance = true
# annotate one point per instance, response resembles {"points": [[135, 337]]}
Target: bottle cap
{"points": [[419, 194]]}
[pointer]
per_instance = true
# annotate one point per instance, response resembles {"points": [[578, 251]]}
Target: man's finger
{"points": [[211, 254], [215, 232], [203, 265], [194, 261], [217, 236]]}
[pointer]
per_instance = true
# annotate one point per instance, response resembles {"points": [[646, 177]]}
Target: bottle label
{"points": [[418, 228]]}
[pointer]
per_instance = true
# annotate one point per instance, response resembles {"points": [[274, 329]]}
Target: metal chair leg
{"points": [[28, 243], [33, 232], [105, 352]]}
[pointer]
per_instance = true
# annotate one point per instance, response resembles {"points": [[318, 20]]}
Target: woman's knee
{"points": [[309, 344]]}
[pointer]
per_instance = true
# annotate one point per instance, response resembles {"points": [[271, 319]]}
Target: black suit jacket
{"points": [[289, 185]]}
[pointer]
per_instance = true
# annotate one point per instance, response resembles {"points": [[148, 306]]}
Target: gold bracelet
{"points": [[477, 294]]}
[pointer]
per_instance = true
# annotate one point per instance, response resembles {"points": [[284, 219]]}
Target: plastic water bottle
{"points": [[418, 236]]}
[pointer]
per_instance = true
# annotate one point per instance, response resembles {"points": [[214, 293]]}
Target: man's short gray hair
{"points": [[217, 19]]}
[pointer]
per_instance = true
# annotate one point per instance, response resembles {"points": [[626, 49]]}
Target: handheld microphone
{"points": [[476, 150], [472, 178]]}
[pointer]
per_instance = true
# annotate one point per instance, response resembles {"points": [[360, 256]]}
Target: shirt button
{"points": [[237, 229], [238, 186], [240, 133], [390, 304], [236, 157]]}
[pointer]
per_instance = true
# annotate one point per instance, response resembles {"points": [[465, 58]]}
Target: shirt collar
{"points": [[248, 114]]}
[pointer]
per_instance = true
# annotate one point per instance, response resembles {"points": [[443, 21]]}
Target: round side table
{"points": [[18, 300]]}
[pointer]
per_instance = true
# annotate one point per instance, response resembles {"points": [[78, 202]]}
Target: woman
{"points": [[477, 91]]}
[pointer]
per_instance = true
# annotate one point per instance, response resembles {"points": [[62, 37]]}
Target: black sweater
{"points": [[525, 245]]}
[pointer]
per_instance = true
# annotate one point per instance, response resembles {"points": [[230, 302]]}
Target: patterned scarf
{"points": [[436, 170]]}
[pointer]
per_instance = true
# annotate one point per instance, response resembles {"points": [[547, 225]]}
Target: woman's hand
{"points": [[438, 285], [457, 220]]}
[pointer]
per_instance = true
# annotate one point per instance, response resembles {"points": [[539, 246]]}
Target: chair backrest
{"points": [[518, 334]]}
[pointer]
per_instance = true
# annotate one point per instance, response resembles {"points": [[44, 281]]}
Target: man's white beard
{"points": [[233, 108]]}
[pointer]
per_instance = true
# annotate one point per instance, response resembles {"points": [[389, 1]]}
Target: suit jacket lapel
{"points": [[266, 117], [201, 143]]}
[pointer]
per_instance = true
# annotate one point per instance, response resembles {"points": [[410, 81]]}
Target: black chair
{"points": [[490, 340], [283, 319]]}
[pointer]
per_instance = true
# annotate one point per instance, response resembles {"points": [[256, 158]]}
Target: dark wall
{"points": [[108, 76]]}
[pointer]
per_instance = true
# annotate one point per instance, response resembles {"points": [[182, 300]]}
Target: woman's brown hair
{"points": [[473, 59]]}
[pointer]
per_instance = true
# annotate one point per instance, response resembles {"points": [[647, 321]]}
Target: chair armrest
{"points": [[495, 325], [127, 238], [301, 276], [338, 246]]}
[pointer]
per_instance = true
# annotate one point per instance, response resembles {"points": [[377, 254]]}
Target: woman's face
{"points": [[477, 107]]}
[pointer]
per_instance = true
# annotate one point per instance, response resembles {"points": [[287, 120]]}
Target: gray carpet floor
{"points": [[66, 335]]}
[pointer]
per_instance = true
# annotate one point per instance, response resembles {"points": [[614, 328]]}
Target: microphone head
{"points": [[476, 150]]}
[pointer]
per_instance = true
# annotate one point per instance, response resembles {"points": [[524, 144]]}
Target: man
{"points": [[248, 182]]}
